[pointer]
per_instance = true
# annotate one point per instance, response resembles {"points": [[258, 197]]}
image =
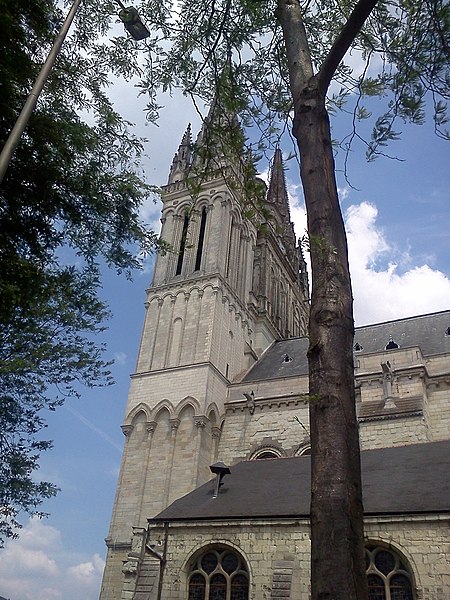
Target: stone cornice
{"points": [[202, 365], [218, 177], [233, 406], [199, 283], [391, 416], [419, 370], [438, 380], [238, 522], [117, 545]]}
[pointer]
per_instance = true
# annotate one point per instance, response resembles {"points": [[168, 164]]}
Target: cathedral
{"points": [[212, 500]]}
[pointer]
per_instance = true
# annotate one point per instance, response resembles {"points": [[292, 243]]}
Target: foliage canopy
{"points": [[72, 189]]}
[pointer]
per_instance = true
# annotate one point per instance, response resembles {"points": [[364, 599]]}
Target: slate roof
{"points": [[407, 479], [426, 331]]}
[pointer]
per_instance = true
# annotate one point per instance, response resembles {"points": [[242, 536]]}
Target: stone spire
{"points": [[278, 203], [277, 194], [182, 160], [220, 139]]}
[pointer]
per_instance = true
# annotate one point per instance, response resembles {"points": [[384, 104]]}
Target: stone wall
{"points": [[413, 408], [277, 553]]}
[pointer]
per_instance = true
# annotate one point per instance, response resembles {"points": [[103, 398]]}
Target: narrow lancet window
{"points": [[201, 239], [182, 246], [230, 241]]}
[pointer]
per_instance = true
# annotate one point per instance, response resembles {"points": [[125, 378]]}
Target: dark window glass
{"points": [[239, 587], [182, 246], [391, 345], [209, 562], [384, 562], [400, 587], [230, 563], [218, 574], [375, 587], [230, 239], [201, 240], [218, 587], [197, 586], [393, 580]]}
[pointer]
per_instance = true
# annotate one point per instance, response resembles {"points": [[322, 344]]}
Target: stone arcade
{"points": [[222, 376]]}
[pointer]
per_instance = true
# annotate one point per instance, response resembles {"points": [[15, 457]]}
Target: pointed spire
{"points": [[277, 194], [220, 139], [278, 201], [182, 160]]}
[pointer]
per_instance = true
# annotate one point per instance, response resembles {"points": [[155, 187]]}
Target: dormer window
{"points": [[392, 344], [357, 347]]}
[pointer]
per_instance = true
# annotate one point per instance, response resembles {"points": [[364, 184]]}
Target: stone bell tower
{"points": [[227, 288]]}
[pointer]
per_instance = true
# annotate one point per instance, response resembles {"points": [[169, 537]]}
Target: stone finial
{"points": [[182, 160]]}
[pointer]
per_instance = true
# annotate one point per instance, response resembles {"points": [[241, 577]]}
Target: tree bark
{"points": [[337, 539]]}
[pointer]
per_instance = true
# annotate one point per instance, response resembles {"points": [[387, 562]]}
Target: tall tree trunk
{"points": [[337, 540]]}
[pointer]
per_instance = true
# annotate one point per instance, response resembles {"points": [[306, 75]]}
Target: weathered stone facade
{"points": [[278, 553], [222, 375]]}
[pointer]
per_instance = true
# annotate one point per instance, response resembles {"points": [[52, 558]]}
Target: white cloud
{"points": [[87, 573], [120, 358], [36, 567], [150, 213], [386, 291], [388, 282]]}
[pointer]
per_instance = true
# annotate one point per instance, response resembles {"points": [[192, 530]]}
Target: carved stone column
{"points": [[150, 427], [174, 424], [216, 432], [200, 422]]}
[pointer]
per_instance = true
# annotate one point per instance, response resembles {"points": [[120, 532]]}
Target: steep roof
{"points": [[395, 481], [287, 358]]}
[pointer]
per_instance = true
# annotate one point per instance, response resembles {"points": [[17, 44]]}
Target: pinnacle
{"points": [[187, 137], [277, 193]]}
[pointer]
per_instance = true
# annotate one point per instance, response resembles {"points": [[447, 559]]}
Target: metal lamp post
{"points": [[134, 26]]}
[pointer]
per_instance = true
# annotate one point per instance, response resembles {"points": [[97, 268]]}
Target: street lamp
{"points": [[132, 23]]}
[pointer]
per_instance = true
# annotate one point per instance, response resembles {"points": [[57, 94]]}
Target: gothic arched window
{"points": [[182, 245], [201, 240], [218, 574], [388, 577]]}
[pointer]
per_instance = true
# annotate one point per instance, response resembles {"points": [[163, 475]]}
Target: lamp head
{"points": [[133, 24], [220, 468]]}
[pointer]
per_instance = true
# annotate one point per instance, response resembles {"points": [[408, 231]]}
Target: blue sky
{"points": [[398, 217]]}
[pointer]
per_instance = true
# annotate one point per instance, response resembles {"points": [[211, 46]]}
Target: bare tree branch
{"points": [[343, 42]]}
